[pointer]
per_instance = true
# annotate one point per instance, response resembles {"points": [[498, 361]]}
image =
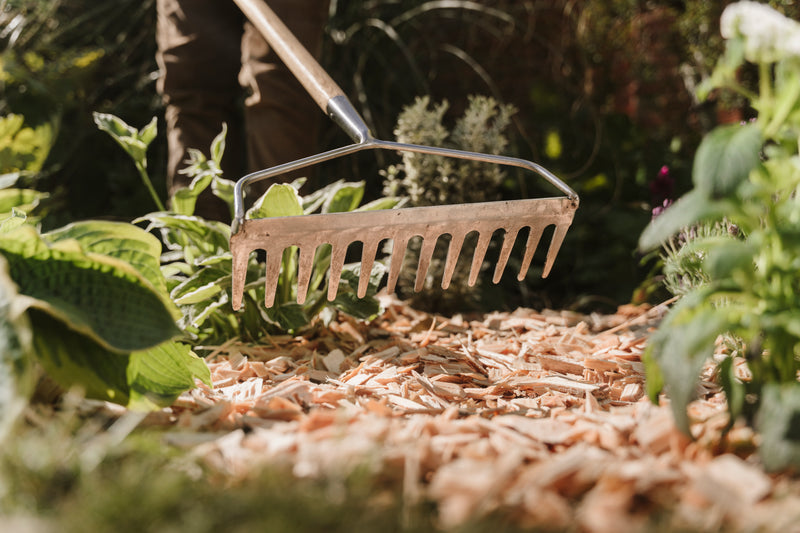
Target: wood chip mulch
{"points": [[541, 416]]}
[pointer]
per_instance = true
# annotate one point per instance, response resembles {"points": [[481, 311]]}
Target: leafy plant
{"points": [[436, 180], [197, 263], [94, 305], [747, 174]]}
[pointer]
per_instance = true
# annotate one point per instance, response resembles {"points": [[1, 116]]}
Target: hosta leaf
{"points": [[218, 145], [14, 220], [185, 198], [140, 380], [123, 241], [289, 316], [381, 203], [201, 286], [361, 308], [344, 198], [207, 235], [22, 199], [280, 200], [127, 137], [347, 300], [16, 374], [725, 158], [149, 132], [159, 375], [72, 359], [98, 296], [223, 189]]}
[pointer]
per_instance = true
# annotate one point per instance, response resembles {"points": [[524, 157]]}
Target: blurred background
{"points": [[603, 91]]}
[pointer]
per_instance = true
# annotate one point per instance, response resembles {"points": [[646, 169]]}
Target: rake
{"points": [[370, 228]]}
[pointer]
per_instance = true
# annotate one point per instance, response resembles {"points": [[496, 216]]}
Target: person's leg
{"points": [[281, 120], [199, 56]]}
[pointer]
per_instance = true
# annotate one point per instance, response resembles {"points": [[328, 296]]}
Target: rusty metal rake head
{"points": [[370, 228]]}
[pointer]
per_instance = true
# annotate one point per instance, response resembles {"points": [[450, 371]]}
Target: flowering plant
{"points": [[748, 175]]}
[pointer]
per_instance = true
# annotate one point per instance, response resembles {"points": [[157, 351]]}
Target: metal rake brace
{"points": [[307, 232]]}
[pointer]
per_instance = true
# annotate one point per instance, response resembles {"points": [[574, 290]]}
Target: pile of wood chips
{"points": [[540, 416]]}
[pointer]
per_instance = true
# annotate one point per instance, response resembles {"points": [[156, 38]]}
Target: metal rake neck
{"points": [[342, 112]]}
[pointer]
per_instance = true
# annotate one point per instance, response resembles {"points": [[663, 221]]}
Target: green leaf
{"points": [[185, 198], [126, 136], [223, 189], [14, 220], [119, 240], [347, 300], [778, 422], [72, 359], [654, 384], [727, 256], [681, 346], [22, 199], [725, 158], [98, 296], [218, 145], [209, 236], [289, 316], [381, 203], [361, 308], [314, 201], [691, 208], [159, 375], [148, 133], [733, 387], [344, 198], [280, 200], [16, 369], [201, 286], [146, 379]]}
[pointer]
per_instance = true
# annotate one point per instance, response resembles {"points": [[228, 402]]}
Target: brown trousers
{"points": [[216, 68]]}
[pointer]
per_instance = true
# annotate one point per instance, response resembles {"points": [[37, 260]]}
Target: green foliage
{"points": [[59, 61], [134, 142], [23, 149], [89, 304], [198, 263], [748, 176], [16, 368]]}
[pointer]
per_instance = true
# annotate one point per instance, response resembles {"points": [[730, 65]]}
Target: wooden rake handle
{"points": [[319, 85], [298, 60]]}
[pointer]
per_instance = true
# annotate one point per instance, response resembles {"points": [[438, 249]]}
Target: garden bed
{"points": [[536, 416]]}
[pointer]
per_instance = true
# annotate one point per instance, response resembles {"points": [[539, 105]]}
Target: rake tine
{"points": [[273, 274], [337, 264], [240, 261], [425, 256], [484, 237], [456, 242], [399, 244], [534, 236], [368, 252], [304, 268], [508, 243], [555, 245]]}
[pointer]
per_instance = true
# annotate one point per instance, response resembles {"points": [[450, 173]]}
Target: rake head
{"points": [[370, 228]]}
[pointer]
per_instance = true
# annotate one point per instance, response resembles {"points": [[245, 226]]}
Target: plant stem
{"points": [[149, 184]]}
